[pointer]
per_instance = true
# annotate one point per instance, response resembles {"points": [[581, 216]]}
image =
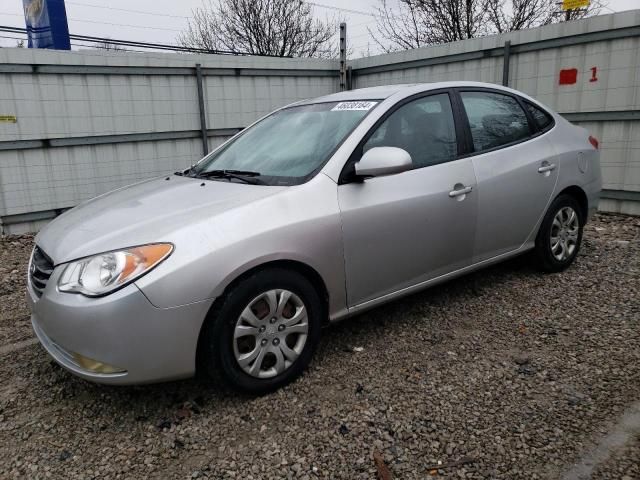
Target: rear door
{"points": [[401, 230], [515, 168]]}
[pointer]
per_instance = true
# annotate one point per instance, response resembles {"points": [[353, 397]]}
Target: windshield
{"points": [[289, 145]]}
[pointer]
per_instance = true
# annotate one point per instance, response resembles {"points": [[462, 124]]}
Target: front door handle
{"points": [[460, 190], [547, 167]]}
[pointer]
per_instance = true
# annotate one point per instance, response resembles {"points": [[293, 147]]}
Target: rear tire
{"points": [[560, 235], [262, 334]]}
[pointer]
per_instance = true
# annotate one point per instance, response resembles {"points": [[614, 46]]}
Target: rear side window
{"points": [[423, 127], [541, 118], [495, 119]]}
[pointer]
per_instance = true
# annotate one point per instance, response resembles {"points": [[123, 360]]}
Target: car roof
{"points": [[406, 89], [369, 93]]}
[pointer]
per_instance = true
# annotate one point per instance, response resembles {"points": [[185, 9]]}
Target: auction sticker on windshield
{"points": [[354, 106]]}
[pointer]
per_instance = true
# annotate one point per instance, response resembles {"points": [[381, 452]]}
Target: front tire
{"points": [[560, 235], [262, 334]]}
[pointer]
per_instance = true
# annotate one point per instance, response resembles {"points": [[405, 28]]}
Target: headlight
{"points": [[106, 272]]}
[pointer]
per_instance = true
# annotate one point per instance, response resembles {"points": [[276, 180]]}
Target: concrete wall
{"points": [[59, 152], [601, 106]]}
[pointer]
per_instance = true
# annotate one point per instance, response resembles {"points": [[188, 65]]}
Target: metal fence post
{"points": [[506, 62], [203, 113], [343, 56]]}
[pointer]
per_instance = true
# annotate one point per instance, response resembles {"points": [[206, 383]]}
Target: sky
{"points": [[161, 20]]}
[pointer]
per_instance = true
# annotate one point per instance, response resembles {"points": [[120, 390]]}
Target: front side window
{"points": [[495, 119], [289, 145], [423, 127]]}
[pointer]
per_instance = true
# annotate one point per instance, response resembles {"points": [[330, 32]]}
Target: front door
{"points": [[401, 230]]}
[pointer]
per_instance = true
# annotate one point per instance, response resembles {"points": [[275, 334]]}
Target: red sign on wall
{"points": [[568, 76]]}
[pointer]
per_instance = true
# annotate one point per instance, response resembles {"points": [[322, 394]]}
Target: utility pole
{"points": [[343, 56]]}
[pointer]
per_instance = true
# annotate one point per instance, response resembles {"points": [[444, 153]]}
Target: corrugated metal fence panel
{"points": [[101, 93], [620, 144], [74, 94], [233, 102], [54, 106], [483, 70], [56, 178], [70, 104], [617, 88]]}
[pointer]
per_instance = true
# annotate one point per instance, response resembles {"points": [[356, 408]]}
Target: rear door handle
{"points": [[547, 167], [461, 191]]}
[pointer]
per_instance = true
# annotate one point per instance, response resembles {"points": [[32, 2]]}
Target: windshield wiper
{"points": [[242, 175]]}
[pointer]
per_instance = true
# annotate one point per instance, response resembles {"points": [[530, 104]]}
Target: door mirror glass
{"points": [[379, 161]]}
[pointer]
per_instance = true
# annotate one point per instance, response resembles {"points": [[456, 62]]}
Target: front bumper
{"points": [[122, 329]]}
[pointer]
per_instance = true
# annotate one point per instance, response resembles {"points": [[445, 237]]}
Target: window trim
{"points": [[539, 131], [534, 130], [347, 174]]}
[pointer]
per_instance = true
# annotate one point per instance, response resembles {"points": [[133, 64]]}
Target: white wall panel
{"points": [[42, 179], [536, 73], [50, 106]]}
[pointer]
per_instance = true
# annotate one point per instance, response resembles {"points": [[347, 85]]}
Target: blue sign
{"points": [[47, 24]]}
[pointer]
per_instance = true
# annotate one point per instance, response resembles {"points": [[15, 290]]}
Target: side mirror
{"points": [[380, 161]]}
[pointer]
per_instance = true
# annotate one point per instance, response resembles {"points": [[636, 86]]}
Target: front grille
{"points": [[40, 270]]}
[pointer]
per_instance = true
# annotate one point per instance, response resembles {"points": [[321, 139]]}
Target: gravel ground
{"points": [[509, 372]]}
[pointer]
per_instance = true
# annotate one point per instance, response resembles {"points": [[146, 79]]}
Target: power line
{"points": [[12, 38], [142, 12], [97, 47], [119, 42], [109, 23], [609, 8], [128, 10], [351, 37], [367, 22], [125, 25], [340, 9], [348, 10], [134, 43]]}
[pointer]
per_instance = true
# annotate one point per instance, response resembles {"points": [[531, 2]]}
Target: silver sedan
{"points": [[316, 212]]}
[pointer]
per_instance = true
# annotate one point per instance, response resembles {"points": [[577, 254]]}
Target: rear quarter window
{"points": [[541, 118]]}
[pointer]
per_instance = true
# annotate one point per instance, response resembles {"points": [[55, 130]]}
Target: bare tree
{"points": [[264, 27], [453, 20], [400, 29], [521, 14], [416, 23], [107, 45]]}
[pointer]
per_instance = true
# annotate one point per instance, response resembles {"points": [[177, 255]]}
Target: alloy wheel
{"points": [[270, 333], [564, 233]]}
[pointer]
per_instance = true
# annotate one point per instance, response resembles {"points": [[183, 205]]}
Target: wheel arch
{"points": [[581, 197], [304, 269], [298, 266]]}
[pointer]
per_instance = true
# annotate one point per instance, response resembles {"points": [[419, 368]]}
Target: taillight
{"points": [[594, 141]]}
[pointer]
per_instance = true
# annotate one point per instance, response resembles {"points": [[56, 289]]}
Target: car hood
{"points": [[146, 212]]}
